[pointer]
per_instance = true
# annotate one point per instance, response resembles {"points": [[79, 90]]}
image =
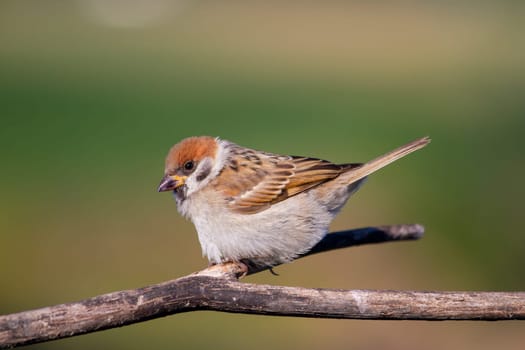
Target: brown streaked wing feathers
{"points": [[274, 179], [269, 178], [311, 172]]}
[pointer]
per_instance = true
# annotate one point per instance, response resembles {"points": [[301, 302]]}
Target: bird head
{"points": [[190, 165]]}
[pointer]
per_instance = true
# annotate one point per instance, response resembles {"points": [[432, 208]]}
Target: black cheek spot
{"points": [[203, 173]]}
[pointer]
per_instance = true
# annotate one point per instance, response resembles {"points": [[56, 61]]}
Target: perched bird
{"points": [[261, 208]]}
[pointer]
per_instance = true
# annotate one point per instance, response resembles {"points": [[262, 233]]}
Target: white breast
{"points": [[276, 235]]}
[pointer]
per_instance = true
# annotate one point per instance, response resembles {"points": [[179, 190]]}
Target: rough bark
{"points": [[218, 288]]}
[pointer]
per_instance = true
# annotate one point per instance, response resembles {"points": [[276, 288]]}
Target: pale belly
{"points": [[273, 236]]}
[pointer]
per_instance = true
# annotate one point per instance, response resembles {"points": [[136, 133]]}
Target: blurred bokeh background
{"points": [[94, 92]]}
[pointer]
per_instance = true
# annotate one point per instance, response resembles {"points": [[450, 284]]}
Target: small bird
{"points": [[260, 208]]}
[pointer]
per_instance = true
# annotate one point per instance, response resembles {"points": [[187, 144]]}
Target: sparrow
{"points": [[260, 208]]}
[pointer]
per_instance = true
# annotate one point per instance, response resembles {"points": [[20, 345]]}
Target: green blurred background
{"points": [[93, 93]]}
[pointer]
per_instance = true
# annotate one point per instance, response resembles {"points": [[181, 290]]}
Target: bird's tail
{"points": [[355, 174]]}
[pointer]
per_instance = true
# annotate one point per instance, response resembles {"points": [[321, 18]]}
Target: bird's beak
{"points": [[171, 182]]}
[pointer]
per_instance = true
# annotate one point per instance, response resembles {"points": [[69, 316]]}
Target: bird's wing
{"points": [[252, 181]]}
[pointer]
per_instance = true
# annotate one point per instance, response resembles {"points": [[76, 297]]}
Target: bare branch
{"points": [[217, 288]]}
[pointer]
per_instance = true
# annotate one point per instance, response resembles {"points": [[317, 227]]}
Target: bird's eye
{"points": [[189, 165]]}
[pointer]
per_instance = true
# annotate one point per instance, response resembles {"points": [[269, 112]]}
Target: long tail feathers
{"points": [[381, 161]]}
